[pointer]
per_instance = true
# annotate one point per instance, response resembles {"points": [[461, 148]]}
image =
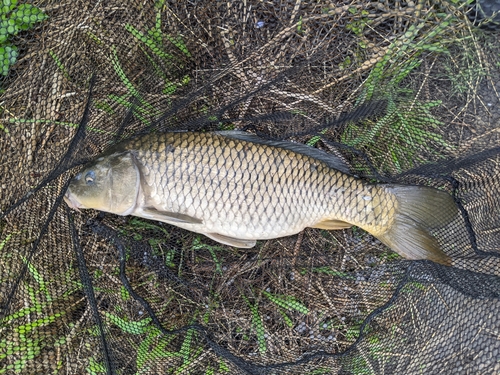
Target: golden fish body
{"points": [[237, 188]]}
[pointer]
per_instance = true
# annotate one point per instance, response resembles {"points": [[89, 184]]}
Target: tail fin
{"points": [[420, 209]]}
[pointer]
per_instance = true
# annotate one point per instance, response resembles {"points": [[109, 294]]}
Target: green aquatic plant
{"points": [[409, 131], [13, 20]]}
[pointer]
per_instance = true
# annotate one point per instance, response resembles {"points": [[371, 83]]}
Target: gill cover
{"points": [[124, 183]]}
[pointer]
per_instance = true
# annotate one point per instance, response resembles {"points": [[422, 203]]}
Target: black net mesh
{"points": [[400, 92]]}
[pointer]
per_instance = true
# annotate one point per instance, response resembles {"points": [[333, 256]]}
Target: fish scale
{"points": [[301, 195], [236, 188]]}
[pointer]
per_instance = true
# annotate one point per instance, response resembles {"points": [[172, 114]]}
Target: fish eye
{"points": [[90, 177]]}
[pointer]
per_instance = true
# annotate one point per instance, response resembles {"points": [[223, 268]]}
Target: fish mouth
{"points": [[71, 202]]}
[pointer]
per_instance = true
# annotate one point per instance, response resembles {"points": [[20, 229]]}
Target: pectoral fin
{"points": [[166, 216], [231, 241], [332, 225]]}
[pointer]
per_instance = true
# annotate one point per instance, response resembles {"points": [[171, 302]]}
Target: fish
{"points": [[236, 188]]}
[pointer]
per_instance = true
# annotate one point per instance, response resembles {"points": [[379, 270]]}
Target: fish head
{"points": [[110, 183]]}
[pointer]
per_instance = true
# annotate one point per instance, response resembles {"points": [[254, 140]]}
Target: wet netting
{"points": [[394, 92]]}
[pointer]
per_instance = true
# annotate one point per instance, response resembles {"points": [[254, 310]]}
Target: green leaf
{"points": [[169, 88], [287, 302], [147, 41], [4, 35], [45, 121], [143, 352], [19, 314], [198, 245], [59, 64], [38, 278], [7, 27], [8, 5], [257, 324], [328, 271], [26, 15], [35, 324], [115, 62], [286, 318], [223, 367], [185, 349], [179, 43], [95, 368], [124, 293], [134, 328], [150, 351], [4, 241], [187, 353]]}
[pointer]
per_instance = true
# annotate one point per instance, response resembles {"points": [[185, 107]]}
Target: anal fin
{"points": [[332, 225], [231, 241]]}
